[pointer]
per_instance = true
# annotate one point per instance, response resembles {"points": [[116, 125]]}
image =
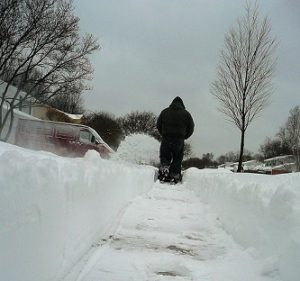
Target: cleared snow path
{"points": [[170, 235]]}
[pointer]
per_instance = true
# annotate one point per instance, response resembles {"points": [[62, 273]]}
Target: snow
{"points": [[88, 219], [138, 149], [261, 212], [73, 116], [185, 243], [54, 208]]}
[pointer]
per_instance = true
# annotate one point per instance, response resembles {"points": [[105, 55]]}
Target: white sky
{"points": [[154, 50]]}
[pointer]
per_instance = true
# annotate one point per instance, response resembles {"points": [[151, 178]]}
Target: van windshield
{"points": [[98, 138], [96, 135], [86, 136]]}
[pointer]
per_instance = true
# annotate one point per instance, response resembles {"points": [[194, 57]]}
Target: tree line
{"points": [[113, 130]]}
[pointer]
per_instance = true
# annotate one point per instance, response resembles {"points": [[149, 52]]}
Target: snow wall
{"points": [[261, 212], [53, 209]]}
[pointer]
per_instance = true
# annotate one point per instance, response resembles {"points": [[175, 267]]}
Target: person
{"points": [[175, 124]]}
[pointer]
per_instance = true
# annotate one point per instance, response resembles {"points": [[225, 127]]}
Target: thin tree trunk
{"points": [[10, 125], [297, 158], [240, 167]]}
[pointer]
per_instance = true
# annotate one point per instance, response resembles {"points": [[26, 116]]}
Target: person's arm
{"points": [[190, 127], [159, 124]]}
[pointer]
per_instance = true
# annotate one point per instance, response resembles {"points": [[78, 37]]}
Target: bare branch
{"points": [[41, 51]]}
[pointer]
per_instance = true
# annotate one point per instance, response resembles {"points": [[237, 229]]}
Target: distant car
{"points": [[64, 139]]}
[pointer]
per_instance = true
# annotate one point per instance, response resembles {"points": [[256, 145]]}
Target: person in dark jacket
{"points": [[175, 124]]}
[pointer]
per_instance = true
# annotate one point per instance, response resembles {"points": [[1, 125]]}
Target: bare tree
{"points": [[106, 126], [187, 150], [243, 83], [40, 50], [228, 157], [274, 147], [290, 134], [139, 122], [68, 102], [207, 161]]}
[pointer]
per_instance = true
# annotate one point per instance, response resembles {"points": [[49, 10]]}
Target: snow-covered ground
{"points": [[169, 234], [92, 219]]}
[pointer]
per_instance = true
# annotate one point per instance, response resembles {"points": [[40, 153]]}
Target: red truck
{"points": [[63, 139]]}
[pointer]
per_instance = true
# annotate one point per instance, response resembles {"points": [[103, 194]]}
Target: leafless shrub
{"points": [[139, 122], [106, 126]]}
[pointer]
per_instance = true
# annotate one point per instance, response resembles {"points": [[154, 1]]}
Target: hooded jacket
{"points": [[175, 121]]}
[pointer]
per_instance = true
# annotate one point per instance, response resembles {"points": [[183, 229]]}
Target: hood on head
{"points": [[177, 102]]}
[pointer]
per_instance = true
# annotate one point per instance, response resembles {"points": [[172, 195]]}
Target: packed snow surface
{"points": [[88, 219]]}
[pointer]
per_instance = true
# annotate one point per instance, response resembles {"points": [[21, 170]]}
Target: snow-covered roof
{"points": [[279, 157], [74, 116]]}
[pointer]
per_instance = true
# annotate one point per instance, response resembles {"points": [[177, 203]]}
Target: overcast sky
{"points": [[155, 50]]}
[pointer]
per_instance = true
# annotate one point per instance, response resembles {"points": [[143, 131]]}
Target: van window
{"points": [[64, 132], [85, 136], [46, 131], [36, 129]]}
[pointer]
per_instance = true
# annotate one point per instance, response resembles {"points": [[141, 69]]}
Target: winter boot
{"points": [[163, 173], [175, 178]]}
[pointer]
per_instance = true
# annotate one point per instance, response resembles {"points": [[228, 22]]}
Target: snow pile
{"points": [[139, 149], [261, 212], [54, 208]]}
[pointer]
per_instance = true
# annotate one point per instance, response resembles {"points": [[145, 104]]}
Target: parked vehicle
{"points": [[281, 164], [64, 139]]}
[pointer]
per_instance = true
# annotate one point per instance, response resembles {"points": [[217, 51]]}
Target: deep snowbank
{"points": [[52, 209], [261, 212]]}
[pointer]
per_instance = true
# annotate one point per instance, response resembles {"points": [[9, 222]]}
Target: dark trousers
{"points": [[171, 153]]}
